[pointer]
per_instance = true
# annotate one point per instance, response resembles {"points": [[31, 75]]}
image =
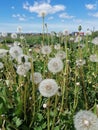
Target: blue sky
{"points": [[60, 15]]}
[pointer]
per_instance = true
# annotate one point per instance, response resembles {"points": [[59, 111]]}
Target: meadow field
{"points": [[49, 81]]}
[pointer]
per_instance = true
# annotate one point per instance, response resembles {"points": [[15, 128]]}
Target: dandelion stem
{"points": [[48, 115], [33, 88], [25, 97], [55, 111]]}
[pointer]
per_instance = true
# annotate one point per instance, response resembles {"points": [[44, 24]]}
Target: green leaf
{"points": [[40, 116], [44, 125], [38, 128], [56, 128], [17, 121]]}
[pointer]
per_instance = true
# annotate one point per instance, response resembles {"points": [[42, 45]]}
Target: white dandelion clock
{"points": [[71, 39], [19, 29], [4, 34], [15, 51], [37, 77], [46, 50], [42, 13], [61, 55], [1, 65], [22, 37], [13, 35], [95, 41], [78, 39], [55, 65], [88, 32], [85, 120], [23, 69], [57, 47], [22, 58], [94, 58], [48, 87], [16, 43], [80, 62], [3, 52]]}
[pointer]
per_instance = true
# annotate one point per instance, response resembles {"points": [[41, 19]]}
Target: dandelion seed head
{"points": [[15, 51], [85, 120], [1, 65], [46, 50], [78, 39], [14, 35], [3, 52], [4, 34], [23, 68], [61, 55], [80, 62], [37, 77], [57, 47], [22, 58], [95, 41], [44, 105], [48, 87], [93, 58], [19, 29], [55, 65]]}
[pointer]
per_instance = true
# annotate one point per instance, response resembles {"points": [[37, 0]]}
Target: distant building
{"points": [[77, 33]]}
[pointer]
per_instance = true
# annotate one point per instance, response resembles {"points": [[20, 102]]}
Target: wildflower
{"points": [[42, 14], [57, 47], [7, 82], [48, 87], [59, 92], [15, 51], [1, 65], [78, 39], [23, 68], [65, 32], [61, 55], [16, 43], [46, 50], [37, 77], [71, 39], [3, 52], [44, 105], [77, 83], [80, 46], [14, 35], [85, 120], [59, 34], [22, 58], [80, 62], [19, 29], [53, 33], [95, 41], [22, 37], [89, 32], [55, 65], [94, 58], [4, 34]]}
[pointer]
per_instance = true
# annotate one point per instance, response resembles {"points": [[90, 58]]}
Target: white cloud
{"points": [[78, 21], [43, 7], [48, 1], [20, 17], [90, 6], [50, 18], [94, 14], [13, 7], [66, 16]]}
